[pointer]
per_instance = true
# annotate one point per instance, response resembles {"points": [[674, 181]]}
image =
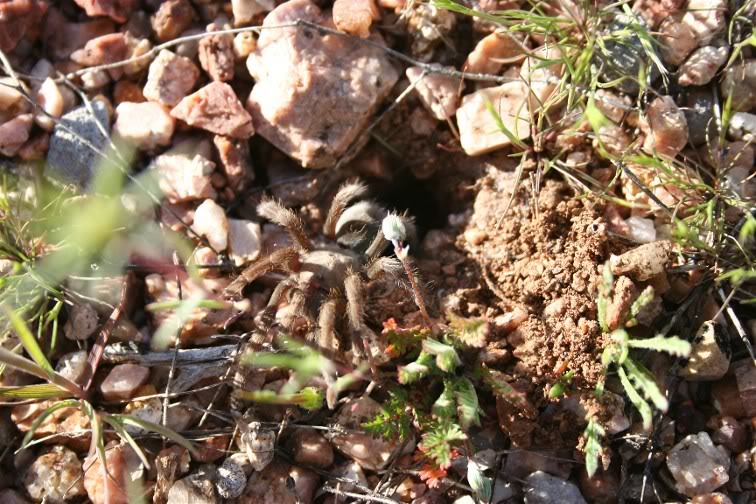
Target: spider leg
{"points": [[275, 212], [326, 324], [347, 192], [285, 259], [355, 295], [384, 266], [268, 315]]}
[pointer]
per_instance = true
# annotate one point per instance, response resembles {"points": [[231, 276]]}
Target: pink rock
{"points": [[338, 84], [439, 93], [183, 177], [216, 55], [702, 65], [215, 108], [656, 11], [244, 240], [492, 52], [16, 18], [123, 381], [123, 467], [172, 18], [676, 40], [355, 16], [697, 465], [235, 161], [63, 37], [739, 83], [745, 376], [311, 449], [117, 10], [478, 129], [50, 99], [271, 485], [210, 221], [82, 322], [146, 125], [170, 78], [102, 50], [669, 129], [705, 18], [55, 476], [14, 133]]}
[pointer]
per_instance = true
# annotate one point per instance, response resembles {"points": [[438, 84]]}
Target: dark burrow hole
{"points": [[406, 192]]}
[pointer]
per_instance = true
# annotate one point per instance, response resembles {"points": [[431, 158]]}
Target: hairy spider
{"points": [[325, 277]]}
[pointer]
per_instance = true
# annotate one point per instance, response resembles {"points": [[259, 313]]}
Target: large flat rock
{"points": [[314, 93]]}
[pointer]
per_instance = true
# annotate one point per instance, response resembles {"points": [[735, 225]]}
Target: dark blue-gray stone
{"points": [[70, 160]]}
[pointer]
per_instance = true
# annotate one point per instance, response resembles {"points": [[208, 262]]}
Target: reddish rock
{"points": [[216, 55], [127, 91], [745, 376], [271, 485], [439, 93], [123, 381], [184, 177], [339, 83], [170, 78], [63, 37], [14, 133], [68, 426], [123, 467], [492, 51], [217, 109], [667, 129], [17, 17], [311, 449], [172, 18], [117, 10], [102, 50], [355, 16], [235, 161]]}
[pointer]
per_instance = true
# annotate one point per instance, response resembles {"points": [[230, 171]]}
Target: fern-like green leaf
{"points": [[644, 380], [671, 344], [439, 440], [640, 404], [444, 408], [417, 370], [467, 403], [472, 332], [593, 432], [447, 358], [643, 299]]}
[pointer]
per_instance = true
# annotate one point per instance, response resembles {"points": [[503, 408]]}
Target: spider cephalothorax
{"points": [[325, 277]]}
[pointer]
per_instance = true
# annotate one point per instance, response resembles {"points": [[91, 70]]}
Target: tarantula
{"points": [[325, 278]]}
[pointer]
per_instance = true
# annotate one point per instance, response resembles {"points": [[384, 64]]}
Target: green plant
{"points": [[638, 382]]}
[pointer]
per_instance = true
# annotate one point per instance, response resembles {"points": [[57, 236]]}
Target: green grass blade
{"points": [[29, 342], [43, 416], [593, 433], [123, 434], [158, 429], [36, 391], [23, 364], [500, 124]]}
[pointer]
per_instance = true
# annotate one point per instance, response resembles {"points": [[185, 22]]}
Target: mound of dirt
{"points": [[543, 256]]}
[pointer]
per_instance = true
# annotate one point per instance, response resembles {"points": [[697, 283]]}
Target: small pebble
{"points": [[123, 381], [210, 221]]}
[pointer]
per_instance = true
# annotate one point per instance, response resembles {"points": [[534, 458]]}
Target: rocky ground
{"points": [[306, 251]]}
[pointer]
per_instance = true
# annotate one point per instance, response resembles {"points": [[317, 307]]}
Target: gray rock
{"points": [[699, 114], [697, 465], [624, 58], [197, 488], [232, 476], [70, 160], [544, 488]]}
